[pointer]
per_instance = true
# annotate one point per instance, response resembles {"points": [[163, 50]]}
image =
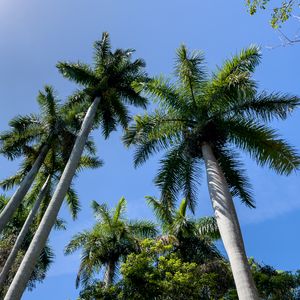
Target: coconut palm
{"points": [[204, 118], [111, 239], [34, 136], [107, 91], [7, 240], [40, 196]]}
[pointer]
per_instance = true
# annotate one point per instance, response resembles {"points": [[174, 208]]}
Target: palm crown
{"points": [[111, 239], [30, 132], [111, 80], [224, 110], [193, 237]]}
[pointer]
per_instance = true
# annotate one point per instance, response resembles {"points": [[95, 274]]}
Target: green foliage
{"points": [[156, 272], [223, 110], [54, 127], [108, 242], [275, 285], [7, 239], [111, 78], [280, 13]]}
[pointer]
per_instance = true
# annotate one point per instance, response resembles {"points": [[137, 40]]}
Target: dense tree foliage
{"points": [[158, 272]]}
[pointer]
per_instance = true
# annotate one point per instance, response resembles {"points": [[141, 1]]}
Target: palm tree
{"points": [[111, 239], [107, 91], [40, 196], [7, 240], [49, 130], [202, 118], [193, 237]]}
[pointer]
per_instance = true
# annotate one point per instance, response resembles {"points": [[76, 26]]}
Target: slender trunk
{"points": [[19, 241], [22, 190], [21, 278], [229, 226], [109, 274]]}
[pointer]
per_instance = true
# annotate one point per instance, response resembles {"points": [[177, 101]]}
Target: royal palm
{"points": [[107, 90], [111, 239], [204, 118]]}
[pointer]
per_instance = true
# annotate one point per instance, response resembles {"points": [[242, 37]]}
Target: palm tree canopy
{"points": [[111, 239], [225, 110], [179, 223], [28, 133], [111, 79], [55, 126], [194, 238]]}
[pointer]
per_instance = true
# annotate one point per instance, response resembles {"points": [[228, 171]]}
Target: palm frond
{"points": [[101, 211], [143, 229], [76, 243], [208, 228], [48, 101], [102, 50], [119, 209], [169, 177], [182, 207], [60, 224], [235, 176], [264, 145], [162, 212], [246, 61], [267, 107], [87, 161], [77, 72], [72, 200], [189, 67], [12, 181], [150, 134]]}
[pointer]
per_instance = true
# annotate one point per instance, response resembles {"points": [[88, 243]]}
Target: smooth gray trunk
{"points": [[229, 226], [21, 278], [19, 241], [22, 190], [109, 274]]}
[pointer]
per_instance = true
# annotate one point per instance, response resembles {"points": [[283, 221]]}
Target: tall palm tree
{"points": [[48, 130], [107, 91], [39, 197], [111, 239], [206, 118]]}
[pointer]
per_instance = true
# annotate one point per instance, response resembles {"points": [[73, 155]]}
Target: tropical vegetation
{"points": [[198, 121], [206, 119]]}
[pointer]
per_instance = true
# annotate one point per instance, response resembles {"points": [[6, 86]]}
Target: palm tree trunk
{"points": [[19, 241], [21, 278], [109, 274], [229, 226], [22, 190]]}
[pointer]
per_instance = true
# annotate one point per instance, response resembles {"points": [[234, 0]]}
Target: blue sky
{"points": [[35, 34]]}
